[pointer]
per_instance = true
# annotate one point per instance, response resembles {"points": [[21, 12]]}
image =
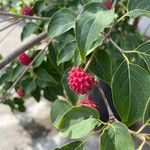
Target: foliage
{"points": [[85, 34]]}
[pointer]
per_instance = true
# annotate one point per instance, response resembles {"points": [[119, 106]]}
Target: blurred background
{"points": [[32, 130]]}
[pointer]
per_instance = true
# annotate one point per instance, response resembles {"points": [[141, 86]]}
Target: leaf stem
{"points": [[120, 49]]}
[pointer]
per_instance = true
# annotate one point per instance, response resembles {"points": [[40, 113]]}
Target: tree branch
{"points": [[2, 13], [23, 73], [22, 49]]}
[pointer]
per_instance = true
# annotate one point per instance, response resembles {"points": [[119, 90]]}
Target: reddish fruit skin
{"points": [[24, 59], [20, 92], [88, 102], [80, 81], [26, 10], [108, 5]]}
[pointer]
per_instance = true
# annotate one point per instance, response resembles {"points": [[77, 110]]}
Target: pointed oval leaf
{"points": [[28, 29], [61, 22], [66, 53], [116, 137], [138, 7], [130, 89], [75, 145], [101, 66], [43, 75], [90, 24], [79, 121], [59, 108]]}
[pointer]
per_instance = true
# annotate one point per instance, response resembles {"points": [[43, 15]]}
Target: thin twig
{"points": [[10, 25], [141, 129], [90, 60], [7, 19], [139, 136], [9, 32], [2, 13], [22, 49], [22, 74]]}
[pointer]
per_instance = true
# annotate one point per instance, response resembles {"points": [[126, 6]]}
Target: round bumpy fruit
{"points": [[80, 81], [88, 102], [26, 10], [24, 59], [20, 92], [108, 4]]}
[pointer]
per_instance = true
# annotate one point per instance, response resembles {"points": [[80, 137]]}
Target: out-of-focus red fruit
{"points": [[88, 102], [26, 10], [20, 92], [24, 59], [108, 4]]}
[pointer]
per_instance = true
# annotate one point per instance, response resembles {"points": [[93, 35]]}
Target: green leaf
{"points": [[95, 44], [66, 53], [43, 75], [51, 93], [39, 60], [71, 96], [79, 121], [116, 137], [37, 94], [61, 22], [130, 89], [144, 52], [16, 104], [90, 24], [138, 7], [146, 116], [88, 1], [28, 29], [59, 108], [29, 85], [75, 145], [101, 65], [39, 7]]}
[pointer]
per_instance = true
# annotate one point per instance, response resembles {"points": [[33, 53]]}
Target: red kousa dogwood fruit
{"points": [[20, 92], [88, 102], [24, 59], [108, 4], [26, 10], [80, 81]]}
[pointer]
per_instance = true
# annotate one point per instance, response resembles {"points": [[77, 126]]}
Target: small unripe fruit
{"points": [[88, 102], [80, 81], [26, 10], [108, 4], [24, 59], [20, 92]]}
